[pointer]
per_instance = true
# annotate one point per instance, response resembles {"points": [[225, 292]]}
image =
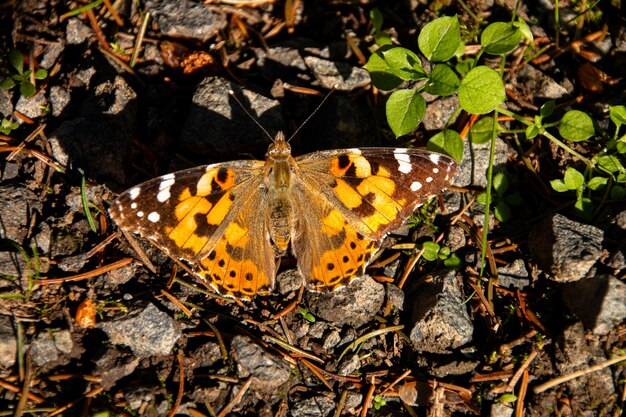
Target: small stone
{"points": [[395, 296], [33, 107], [442, 323], [147, 332], [50, 346], [331, 340], [59, 100], [438, 369], [186, 19], [348, 364], [565, 248], [501, 410], [438, 112], [289, 281], [536, 84], [598, 302], [269, 371], [8, 343], [76, 32], [339, 75], [514, 275], [355, 304], [114, 365], [18, 206], [473, 171], [316, 406], [6, 105]]}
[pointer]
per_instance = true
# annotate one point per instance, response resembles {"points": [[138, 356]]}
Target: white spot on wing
{"points": [[435, 170], [429, 179], [154, 217], [166, 183], [133, 206], [163, 195], [404, 161], [434, 158], [140, 214], [134, 193], [356, 151], [416, 185]]}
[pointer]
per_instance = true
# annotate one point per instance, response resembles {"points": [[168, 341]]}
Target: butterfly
{"points": [[232, 221]]}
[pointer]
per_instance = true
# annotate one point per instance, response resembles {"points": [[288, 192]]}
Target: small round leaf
{"points": [[576, 126], [482, 91], [405, 110]]}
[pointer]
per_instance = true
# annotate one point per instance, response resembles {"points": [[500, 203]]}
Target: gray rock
{"points": [[538, 85], [269, 371], [576, 351], [514, 275], [98, 140], [438, 369], [501, 410], [331, 339], [147, 332], [340, 75], [18, 206], [599, 302], [442, 323], [317, 406], [76, 32], [354, 304], [6, 105], [34, 106], [216, 123], [186, 19], [438, 113], [348, 364], [289, 281], [8, 343], [113, 366], [50, 346], [475, 162], [565, 248], [51, 55], [59, 100], [395, 296], [278, 59]]}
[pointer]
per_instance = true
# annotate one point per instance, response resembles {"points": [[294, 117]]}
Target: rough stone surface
{"points": [[442, 323], [599, 302], [6, 106], [186, 19], [34, 106], [564, 248], [539, 85], [475, 162], [18, 206], [113, 366], [340, 75], [354, 304], [8, 343], [316, 406], [77, 32], [576, 351], [216, 123], [147, 332], [289, 281], [269, 371], [514, 275], [395, 296], [501, 410], [50, 346], [438, 113], [59, 100]]}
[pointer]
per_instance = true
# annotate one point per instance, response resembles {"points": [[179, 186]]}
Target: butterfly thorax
{"points": [[280, 169]]}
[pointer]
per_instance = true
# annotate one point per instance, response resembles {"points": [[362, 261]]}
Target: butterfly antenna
{"points": [[232, 94], [319, 106]]}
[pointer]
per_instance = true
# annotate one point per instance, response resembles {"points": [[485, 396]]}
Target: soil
{"points": [[94, 321]]}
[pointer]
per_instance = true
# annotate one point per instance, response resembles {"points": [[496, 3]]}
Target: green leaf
{"points": [[574, 180], [16, 59], [500, 38], [559, 186], [7, 83], [41, 74], [576, 126], [481, 198], [440, 39], [618, 192], [507, 398], [465, 66], [431, 251], [443, 81], [597, 183], [621, 147], [584, 208], [618, 115], [524, 30], [480, 132], [610, 164], [449, 142], [514, 199], [531, 132], [482, 91], [405, 110], [453, 262], [502, 211], [377, 18], [83, 195], [547, 109], [444, 252], [27, 89], [500, 183], [389, 65], [381, 39]]}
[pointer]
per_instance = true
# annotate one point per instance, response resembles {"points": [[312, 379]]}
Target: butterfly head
{"points": [[280, 148]]}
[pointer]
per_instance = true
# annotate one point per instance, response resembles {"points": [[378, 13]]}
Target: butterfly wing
{"points": [[347, 200], [198, 215]]}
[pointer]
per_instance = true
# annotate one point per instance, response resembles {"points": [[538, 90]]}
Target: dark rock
{"points": [[6, 105], [76, 32], [536, 84], [50, 346], [8, 343], [18, 207], [348, 364], [59, 100], [279, 59], [514, 275], [598, 302], [289, 281], [98, 140], [316, 406], [442, 323], [339, 75], [34, 106], [475, 163], [114, 365], [355, 304], [565, 248], [395, 296], [576, 351], [186, 19], [216, 123], [146, 332], [269, 371]]}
